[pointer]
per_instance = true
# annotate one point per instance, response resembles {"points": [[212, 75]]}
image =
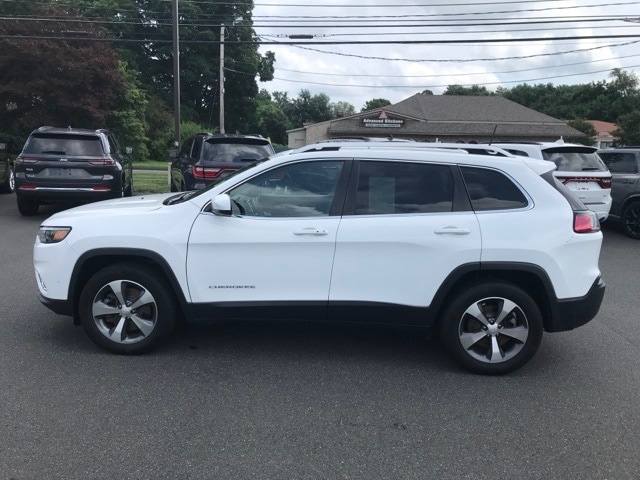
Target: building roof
{"points": [[469, 108]]}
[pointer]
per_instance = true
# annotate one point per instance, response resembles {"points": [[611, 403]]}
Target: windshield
{"points": [[73, 145], [575, 159]]}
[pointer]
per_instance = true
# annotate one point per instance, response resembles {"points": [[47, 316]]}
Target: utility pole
{"points": [[176, 75], [221, 78]]}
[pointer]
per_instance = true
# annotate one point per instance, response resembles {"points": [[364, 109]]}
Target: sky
{"points": [[502, 43]]}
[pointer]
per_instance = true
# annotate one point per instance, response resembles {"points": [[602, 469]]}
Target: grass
{"points": [[151, 165], [150, 181]]}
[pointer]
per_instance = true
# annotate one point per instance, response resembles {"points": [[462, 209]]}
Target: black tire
{"points": [[27, 207], [112, 319], [9, 184], [473, 330], [631, 220], [128, 191]]}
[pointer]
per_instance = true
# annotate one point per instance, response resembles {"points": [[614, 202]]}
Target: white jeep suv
{"points": [[488, 251]]}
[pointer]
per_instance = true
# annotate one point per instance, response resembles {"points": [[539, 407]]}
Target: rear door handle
{"points": [[311, 231], [452, 231]]}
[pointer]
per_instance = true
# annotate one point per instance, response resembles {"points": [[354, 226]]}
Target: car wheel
{"points": [[127, 309], [128, 191], [631, 220], [492, 328], [9, 185], [27, 207]]}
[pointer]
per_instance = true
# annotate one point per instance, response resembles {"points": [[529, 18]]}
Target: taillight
{"points": [[585, 222], [103, 161], [604, 182], [26, 160], [206, 172]]}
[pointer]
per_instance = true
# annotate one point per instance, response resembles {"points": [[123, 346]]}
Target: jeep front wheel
{"points": [[492, 328], [127, 309]]}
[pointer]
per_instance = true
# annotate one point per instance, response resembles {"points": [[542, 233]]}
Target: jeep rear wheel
{"points": [[127, 309], [631, 220], [492, 328]]}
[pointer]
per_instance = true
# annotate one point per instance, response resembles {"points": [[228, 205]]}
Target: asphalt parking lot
{"points": [[291, 401]]}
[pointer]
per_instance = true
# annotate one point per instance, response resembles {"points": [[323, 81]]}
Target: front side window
{"points": [[403, 188], [305, 189], [492, 190], [620, 162]]}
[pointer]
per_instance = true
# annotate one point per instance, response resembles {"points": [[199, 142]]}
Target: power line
{"points": [[456, 60], [258, 41], [435, 86]]}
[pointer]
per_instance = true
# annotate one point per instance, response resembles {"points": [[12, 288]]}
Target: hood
{"points": [[116, 207]]}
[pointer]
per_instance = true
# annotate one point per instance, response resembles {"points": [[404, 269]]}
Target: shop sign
{"points": [[383, 121]]}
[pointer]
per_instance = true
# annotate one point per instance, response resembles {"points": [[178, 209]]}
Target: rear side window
{"points": [[575, 159], [492, 190], [72, 145], [234, 152], [398, 187], [620, 162]]}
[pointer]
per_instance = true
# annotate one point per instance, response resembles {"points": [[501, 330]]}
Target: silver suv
{"points": [[577, 166], [624, 165]]}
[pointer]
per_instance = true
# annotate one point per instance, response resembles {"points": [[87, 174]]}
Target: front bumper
{"points": [[61, 307], [571, 313]]}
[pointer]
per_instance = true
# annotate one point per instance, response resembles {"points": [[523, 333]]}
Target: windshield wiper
{"points": [[176, 198]]}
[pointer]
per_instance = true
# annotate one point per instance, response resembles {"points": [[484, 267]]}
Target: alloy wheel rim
{"points": [[124, 312], [493, 330]]}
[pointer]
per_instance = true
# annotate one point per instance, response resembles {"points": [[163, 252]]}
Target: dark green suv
{"points": [[624, 165], [7, 171]]}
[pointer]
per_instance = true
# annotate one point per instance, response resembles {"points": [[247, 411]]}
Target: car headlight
{"points": [[53, 234]]}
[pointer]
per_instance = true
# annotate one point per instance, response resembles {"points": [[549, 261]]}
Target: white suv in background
{"points": [[488, 251], [579, 167]]}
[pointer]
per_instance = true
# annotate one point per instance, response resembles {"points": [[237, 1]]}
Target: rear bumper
{"points": [[59, 194], [568, 314]]}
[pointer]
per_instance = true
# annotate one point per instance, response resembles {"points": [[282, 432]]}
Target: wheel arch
{"points": [[529, 277], [94, 260], [634, 197]]}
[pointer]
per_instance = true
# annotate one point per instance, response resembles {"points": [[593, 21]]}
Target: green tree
{"points": [[628, 131], [585, 127], [342, 109], [473, 90], [128, 119], [375, 103], [56, 82]]}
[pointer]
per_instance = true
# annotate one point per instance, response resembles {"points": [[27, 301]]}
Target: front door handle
{"points": [[452, 231], [311, 231]]}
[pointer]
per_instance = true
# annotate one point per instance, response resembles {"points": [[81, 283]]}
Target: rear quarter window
{"points": [[620, 162], [492, 190]]}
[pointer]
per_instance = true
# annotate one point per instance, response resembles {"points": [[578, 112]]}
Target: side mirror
{"points": [[128, 150], [221, 205], [173, 153]]}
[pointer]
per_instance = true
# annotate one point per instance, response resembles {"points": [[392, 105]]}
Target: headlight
{"points": [[53, 234]]}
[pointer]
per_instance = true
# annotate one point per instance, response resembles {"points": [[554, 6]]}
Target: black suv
{"points": [[71, 164], [7, 175], [207, 158], [624, 165]]}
